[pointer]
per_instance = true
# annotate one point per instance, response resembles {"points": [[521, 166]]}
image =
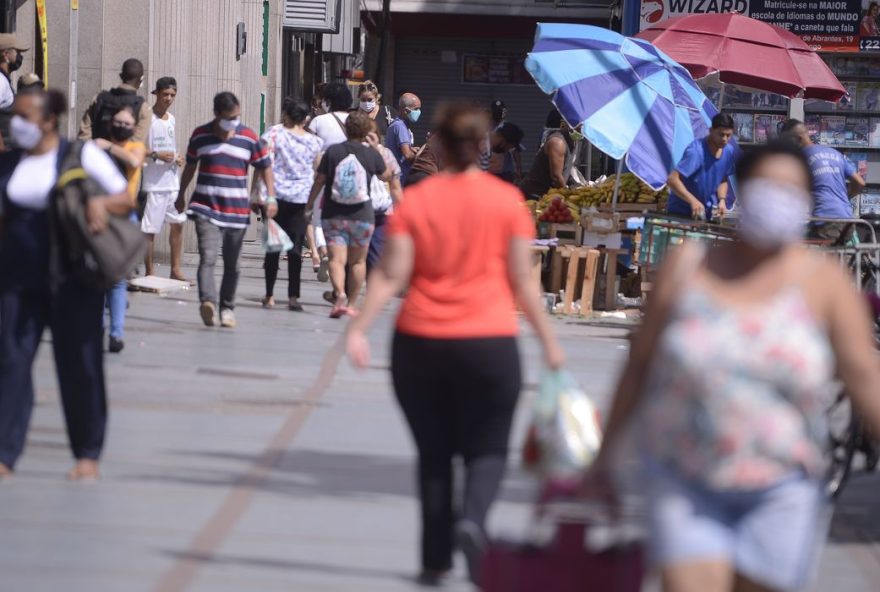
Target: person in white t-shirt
{"points": [[162, 178], [336, 102]]}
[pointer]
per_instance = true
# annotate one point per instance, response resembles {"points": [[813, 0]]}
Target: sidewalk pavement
{"points": [[257, 460]]}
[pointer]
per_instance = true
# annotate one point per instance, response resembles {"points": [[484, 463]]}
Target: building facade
{"points": [[207, 45]]}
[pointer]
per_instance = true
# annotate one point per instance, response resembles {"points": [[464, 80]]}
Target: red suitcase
{"points": [[566, 563]]}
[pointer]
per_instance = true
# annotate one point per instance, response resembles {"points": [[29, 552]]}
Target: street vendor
{"points": [[835, 182], [699, 181], [552, 165]]}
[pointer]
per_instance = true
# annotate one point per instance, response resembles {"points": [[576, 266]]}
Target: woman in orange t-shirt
{"points": [[460, 243]]}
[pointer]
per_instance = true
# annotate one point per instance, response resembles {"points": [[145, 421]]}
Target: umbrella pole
{"points": [[589, 160], [617, 184]]}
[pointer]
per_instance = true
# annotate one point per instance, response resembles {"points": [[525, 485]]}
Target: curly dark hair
{"points": [[338, 96]]}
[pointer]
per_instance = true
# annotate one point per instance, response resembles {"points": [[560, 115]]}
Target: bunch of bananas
{"points": [[632, 190]]}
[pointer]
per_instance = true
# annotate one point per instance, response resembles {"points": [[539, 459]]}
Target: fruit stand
{"points": [[585, 239]]}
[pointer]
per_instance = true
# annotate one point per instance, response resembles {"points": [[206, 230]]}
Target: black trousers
{"points": [[458, 396], [291, 218], [75, 321]]}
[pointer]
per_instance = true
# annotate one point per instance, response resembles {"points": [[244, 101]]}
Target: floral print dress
{"points": [[736, 398]]}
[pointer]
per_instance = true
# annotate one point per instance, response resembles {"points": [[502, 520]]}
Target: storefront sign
{"points": [[826, 25], [494, 69]]}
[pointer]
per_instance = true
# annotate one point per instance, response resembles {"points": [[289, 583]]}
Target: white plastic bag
{"points": [[565, 432], [275, 240]]}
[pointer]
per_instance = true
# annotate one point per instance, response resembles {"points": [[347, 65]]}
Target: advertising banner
{"points": [[825, 25]]}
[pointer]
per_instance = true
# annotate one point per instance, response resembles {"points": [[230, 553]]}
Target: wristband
{"points": [[271, 200]]}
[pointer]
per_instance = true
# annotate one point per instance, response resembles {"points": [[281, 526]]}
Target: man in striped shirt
{"points": [[221, 152]]}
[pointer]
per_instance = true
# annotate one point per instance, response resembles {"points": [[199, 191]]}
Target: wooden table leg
{"points": [[588, 290], [556, 271], [537, 262], [571, 280], [610, 277]]}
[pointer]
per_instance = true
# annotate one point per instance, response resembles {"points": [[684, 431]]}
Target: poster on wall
{"points": [[826, 25], [494, 69]]}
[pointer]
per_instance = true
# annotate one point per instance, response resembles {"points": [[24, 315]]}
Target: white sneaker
{"points": [[227, 318]]}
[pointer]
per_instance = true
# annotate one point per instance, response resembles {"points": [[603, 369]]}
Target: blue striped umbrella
{"points": [[630, 98]]}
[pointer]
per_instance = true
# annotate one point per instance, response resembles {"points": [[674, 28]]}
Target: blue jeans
{"points": [[116, 302]]}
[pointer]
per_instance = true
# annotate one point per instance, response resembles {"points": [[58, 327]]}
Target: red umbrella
{"points": [[747, 52]]}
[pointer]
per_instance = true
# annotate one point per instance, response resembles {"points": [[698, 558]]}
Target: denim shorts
{"points": [[347, 233], [772, 536]]}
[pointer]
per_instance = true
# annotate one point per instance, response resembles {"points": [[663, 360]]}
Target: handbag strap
{"points": [[341, 125]]}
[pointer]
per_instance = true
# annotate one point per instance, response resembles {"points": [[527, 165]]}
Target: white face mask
{"points": [[229, 125], [771, 214], [368, 106], [25, 133]]}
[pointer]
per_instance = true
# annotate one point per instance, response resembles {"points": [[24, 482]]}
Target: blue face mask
{"points": [[414, 115]]}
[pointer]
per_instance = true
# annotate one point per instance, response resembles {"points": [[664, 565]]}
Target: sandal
{"points": [[337, 312]]}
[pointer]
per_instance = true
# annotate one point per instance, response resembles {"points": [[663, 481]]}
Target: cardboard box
{"points": [[601, 222], [609, 241]]}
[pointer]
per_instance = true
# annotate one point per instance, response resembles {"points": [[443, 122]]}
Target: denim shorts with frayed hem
{"points": [[772, 536]]}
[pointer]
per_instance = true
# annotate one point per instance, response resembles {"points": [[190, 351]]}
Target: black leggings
{"points": [[458, 396], [291, 218]]}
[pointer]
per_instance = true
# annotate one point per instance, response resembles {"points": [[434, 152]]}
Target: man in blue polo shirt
{"points": [[399, 137], [835, 182], [699, 181]]}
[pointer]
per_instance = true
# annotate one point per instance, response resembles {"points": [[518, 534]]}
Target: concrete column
{"points": [[796, 109]]}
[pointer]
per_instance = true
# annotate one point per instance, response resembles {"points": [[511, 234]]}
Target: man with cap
{"points": [[508, 163], [162, 178], [506, 140], [97, 118], [11, 57]]}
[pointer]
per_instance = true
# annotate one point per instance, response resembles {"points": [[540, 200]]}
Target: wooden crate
{"points": [[567, 234], [568, 282]]}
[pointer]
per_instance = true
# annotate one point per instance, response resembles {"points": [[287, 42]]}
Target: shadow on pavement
{"points": [[289, 565], [314, 474]]}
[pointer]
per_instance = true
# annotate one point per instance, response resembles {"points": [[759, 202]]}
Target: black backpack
{"points": [[107, 104], [97, 260]]}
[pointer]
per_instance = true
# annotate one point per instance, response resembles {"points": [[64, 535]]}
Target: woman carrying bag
{"points": [[459, 245], [27, 303], [293, 151]]}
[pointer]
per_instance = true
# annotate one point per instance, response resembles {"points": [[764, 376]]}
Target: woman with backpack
{"points": [[35, 294], [344, 177]]}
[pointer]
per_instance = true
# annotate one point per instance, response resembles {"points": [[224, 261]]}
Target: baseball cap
{"points": [[164, 83], [512, 134], [10, 41]]}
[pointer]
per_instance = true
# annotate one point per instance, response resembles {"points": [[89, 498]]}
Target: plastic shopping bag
{"points": [[275, 240], [565, 433]]}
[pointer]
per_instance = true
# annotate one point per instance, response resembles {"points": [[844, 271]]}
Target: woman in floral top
{"points": [[731, 374], [293, 151]]}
